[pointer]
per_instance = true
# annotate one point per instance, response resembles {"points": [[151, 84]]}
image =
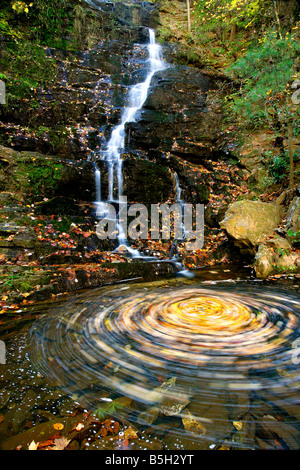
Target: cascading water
{"points": [[179, 199], [115, 147], [98, 184]]}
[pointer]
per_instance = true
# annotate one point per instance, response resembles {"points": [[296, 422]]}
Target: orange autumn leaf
{"points": [[79, 427], [124, 445], [130, 434], [58, 426], [47, 443]]}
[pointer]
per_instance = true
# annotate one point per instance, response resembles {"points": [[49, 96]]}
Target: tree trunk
{"points": [[277, 18], [188, 15], [233, 32]]}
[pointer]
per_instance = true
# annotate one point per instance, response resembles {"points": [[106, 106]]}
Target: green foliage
{"points": [[223, 13], [265, 72], [45, 22], [49, 21], [26, 67], [15, 282], [41, 177], [6, 28], [108, 409], [278, 166], [294, 236]]}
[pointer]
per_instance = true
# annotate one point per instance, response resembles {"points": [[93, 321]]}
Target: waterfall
{"points": [[137, 96], [173, 252], [178, 188], [180, 201], [98, 184], [115, 147]]}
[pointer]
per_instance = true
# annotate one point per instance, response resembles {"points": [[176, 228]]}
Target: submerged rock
{"points": [[173, 398], [192, 424], [40, 432]]}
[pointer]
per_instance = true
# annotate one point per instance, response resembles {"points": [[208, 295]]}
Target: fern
{"points": [[108, 409]]}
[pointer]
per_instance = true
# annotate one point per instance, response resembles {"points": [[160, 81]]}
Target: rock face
{"points": [[275, 256], [293, 221], [146, 182], [74, 113], [131, 13], [181, 115], [249, 222]]}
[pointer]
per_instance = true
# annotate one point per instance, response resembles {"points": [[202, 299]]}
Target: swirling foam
{"points": [[234, 339]]}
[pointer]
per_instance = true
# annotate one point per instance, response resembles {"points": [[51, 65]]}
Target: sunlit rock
{"points": [[250, 222]]}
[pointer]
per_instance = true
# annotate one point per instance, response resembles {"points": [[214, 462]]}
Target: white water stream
{"points": [[115, 147]]}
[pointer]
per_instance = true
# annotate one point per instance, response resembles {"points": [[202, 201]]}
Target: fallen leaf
{"points": [[123, 445], [33, 445], [79, 427], [116, 426], [61, 443], [191, 424], [238, 425], [130, 433], [47, 443], [58, 426]]}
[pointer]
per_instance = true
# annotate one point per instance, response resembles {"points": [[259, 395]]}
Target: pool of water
{"points": [[202, 362]]}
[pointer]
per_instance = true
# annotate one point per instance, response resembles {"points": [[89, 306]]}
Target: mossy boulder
{"points": [[275, 256], [250, 222], [293, 221]]}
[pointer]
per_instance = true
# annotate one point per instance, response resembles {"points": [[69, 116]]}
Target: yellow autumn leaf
{"points": [[58, 426], [61, 443], [130, 433], [238, 425], [33, 445]]}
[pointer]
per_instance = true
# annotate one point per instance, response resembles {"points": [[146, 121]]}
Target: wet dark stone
{"points": [[60, 205], [147, 182], [180, 115]]}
